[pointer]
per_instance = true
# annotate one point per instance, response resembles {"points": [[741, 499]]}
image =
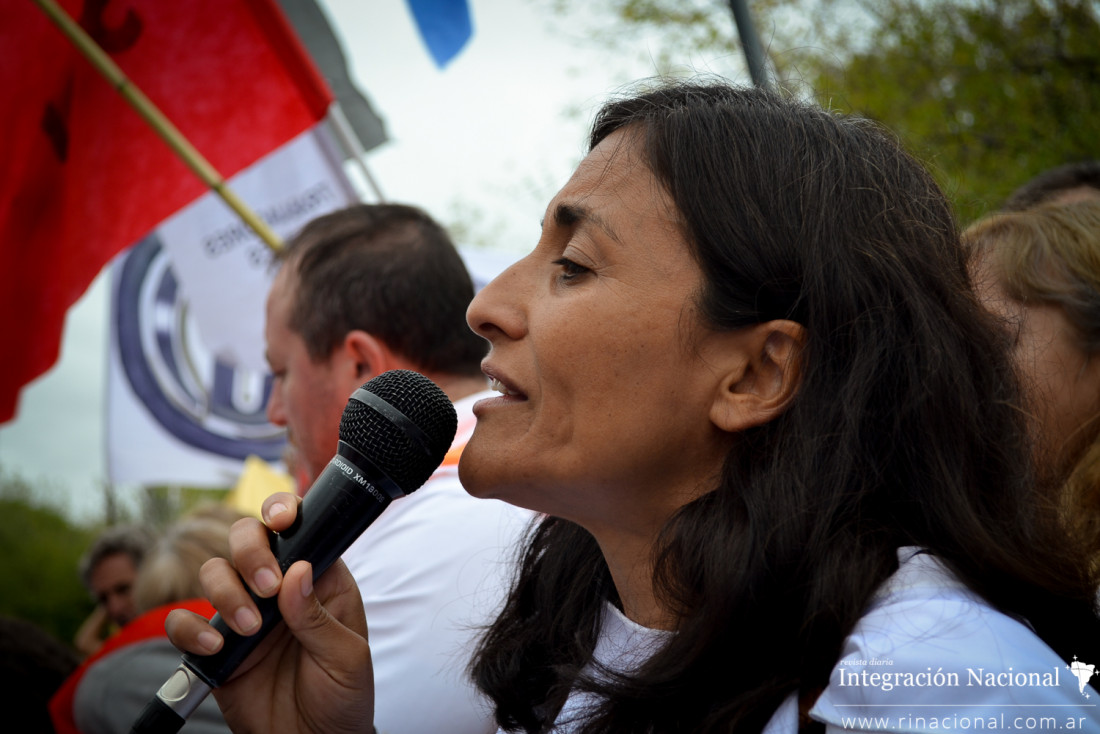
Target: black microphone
{"points": [[395, 431]]}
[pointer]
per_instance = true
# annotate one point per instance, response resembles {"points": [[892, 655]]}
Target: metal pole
{"points": [[349, 141], [750, 42]]}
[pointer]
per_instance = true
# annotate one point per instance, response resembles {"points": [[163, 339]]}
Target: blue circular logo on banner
{"points": [[199, 399]]}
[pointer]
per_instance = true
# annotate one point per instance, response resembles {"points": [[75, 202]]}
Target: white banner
{"points": [[187, 380]]}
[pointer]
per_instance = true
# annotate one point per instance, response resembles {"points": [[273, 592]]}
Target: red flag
{"points": [[82, 176]]}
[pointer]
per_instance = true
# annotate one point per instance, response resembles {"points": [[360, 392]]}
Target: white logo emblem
{"points": [[1083, 672]]}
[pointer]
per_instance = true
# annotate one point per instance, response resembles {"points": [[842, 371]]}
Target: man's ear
{"points": [[762, 382], [365, 355]]}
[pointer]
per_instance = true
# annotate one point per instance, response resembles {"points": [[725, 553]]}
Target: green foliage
{"points": [[162, 504], [988, 92], [41, 549], [992, 92]]}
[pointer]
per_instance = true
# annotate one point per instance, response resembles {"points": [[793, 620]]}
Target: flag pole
{"points": [[750, 42], [349, 141], [168, 132]]}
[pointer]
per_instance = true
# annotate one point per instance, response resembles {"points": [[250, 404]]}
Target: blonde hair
{"points": [[1050, 254], [170, 572]]}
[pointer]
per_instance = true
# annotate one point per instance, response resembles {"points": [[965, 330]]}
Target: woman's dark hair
{"points": [[904, 431]]}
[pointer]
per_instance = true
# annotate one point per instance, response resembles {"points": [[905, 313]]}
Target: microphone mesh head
{"points": [[401, 457]]}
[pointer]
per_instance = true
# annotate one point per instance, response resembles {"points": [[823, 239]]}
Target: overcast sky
{"points": [[483, 143]]}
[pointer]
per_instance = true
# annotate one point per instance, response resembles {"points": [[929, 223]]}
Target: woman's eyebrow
{"points": [[570, 215]]}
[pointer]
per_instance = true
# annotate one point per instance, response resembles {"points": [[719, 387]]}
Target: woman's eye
{"points": [[570, 269]]}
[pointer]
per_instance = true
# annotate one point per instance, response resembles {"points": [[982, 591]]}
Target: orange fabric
{"points": [[452, 456]]}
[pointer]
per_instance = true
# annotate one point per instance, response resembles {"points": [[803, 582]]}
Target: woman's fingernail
{"points": [[277, 509], [307, 585], [245, 619], [210, 641], [265, 580]]}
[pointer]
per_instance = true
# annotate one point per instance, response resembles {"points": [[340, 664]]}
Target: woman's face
{"points": [[1061, 380], [605, 371]]}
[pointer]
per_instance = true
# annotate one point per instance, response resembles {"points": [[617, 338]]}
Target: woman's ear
{"points": [[762, 383]]}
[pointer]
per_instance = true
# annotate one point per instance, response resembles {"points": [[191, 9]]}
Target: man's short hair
{"points": [[133, 540], [389, 270], [1052, 182]]}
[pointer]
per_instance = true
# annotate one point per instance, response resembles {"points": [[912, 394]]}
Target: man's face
{"points": [[112, 585], [307, 397]]}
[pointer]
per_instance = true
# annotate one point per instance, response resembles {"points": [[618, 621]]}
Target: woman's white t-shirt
{"points": [[928, 656]]}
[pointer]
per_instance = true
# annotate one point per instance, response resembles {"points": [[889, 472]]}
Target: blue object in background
{"points": [[444, 25]]}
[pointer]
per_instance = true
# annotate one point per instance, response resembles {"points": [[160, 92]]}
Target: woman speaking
{"points": [[777, 444]]}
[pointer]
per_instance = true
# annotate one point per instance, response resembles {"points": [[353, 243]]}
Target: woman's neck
{"points": [[630, 561]]}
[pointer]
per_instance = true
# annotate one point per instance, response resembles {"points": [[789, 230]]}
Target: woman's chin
{"points": [[477, 474]]}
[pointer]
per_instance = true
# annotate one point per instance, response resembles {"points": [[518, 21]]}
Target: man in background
{"points": [[108, 570], [359, 292], [1063, 184]]}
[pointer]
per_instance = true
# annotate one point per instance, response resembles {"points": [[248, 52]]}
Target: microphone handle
{"points": [[335, 511], [345, 499]]}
